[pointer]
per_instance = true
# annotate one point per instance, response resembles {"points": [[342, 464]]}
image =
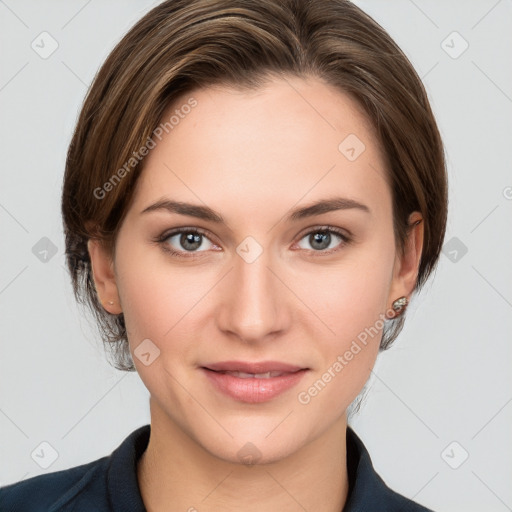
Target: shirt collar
{"points": [[367, 490], [123, 486]]}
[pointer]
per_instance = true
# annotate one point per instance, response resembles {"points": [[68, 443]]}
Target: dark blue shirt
{"points": [[109, 484]]}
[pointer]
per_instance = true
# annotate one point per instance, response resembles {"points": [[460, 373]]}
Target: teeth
{"points": [[244, 375]]}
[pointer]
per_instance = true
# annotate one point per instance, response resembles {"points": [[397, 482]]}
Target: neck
{"points": [[176, 474]]}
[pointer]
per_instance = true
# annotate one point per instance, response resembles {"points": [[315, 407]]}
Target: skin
{"points": [[253, 156]]}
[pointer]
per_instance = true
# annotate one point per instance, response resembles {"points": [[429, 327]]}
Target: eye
{"points": [[324, 238], [181, 241], [188, 242]]}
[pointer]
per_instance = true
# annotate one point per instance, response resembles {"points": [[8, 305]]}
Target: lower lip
{"points": [[253, 390]]}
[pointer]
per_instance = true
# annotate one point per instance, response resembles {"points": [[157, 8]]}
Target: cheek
{"points": [[350, 296], [161, 302], [352, 303]]}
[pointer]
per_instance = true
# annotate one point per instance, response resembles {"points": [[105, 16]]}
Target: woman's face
{"points": [[276, 281]]}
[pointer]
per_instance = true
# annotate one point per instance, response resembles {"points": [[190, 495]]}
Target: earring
{"points": [[111, 302], [399, 304]]}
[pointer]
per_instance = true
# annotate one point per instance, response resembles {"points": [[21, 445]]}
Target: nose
{"points": [[253, 301]]}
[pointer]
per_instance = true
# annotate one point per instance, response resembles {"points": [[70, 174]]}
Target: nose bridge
{"points": [[252, 305]]}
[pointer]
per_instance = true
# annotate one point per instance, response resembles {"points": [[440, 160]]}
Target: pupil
{"points": [[190, 241], [322, 238]]}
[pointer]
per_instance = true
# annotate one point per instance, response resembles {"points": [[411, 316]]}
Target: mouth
{"points": [[253, 382], [245, 375]]}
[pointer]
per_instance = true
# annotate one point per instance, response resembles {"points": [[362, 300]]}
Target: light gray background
{"points": [[446, 379]]}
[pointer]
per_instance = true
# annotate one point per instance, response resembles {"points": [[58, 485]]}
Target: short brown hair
{"points": [[184, 44]]}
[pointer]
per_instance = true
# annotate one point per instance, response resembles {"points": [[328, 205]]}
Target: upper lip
{"points": [[257, 367]]}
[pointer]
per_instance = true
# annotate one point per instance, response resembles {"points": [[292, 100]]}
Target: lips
{"points": [[253, 382]]}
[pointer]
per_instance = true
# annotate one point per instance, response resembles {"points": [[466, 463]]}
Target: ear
{"points": [[405, 271], [104, 277]]}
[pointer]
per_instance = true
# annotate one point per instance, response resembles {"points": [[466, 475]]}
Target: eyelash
{"points": [[162, 240]]}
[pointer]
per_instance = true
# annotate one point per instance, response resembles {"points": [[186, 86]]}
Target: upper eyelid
{"points": [[333, 229]]}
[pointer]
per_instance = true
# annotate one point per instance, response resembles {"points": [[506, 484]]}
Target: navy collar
{"points": [[123, 486]]}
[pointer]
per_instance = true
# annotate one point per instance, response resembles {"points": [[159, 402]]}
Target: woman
{"points": [[253, 193]]}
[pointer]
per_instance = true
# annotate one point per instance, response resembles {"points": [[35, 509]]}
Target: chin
{"points": [[255, 453], [255, 444]]}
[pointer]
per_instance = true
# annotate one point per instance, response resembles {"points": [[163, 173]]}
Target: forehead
{"points": [[289, 141]]}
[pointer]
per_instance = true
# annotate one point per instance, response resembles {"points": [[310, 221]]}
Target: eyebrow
{"points": [[206, 213]]}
